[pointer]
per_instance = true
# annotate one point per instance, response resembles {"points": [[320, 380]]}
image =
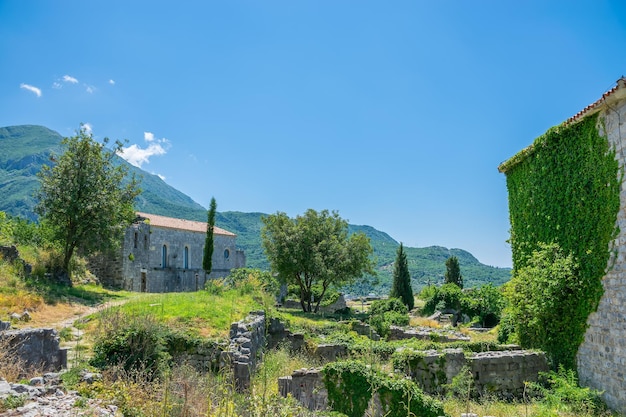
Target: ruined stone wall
{"points": [[602, 355], [501, 372], [35, 348]]}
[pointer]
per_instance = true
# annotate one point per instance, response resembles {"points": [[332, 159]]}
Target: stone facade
{"points": [[602, 355], [163, 254]]}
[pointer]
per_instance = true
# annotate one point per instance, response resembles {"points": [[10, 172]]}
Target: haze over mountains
{"points": [[24, 149]]}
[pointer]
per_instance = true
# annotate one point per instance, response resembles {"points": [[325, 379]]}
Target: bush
{"points": [[385, 313], [549, 304], [136, 344], [351, 385], [448, 296], [559, 390], [390, 304]]}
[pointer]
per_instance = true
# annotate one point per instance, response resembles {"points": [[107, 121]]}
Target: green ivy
{"points": [[351, 385], [564, 189]]}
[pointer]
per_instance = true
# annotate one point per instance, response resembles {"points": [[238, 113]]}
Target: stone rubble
{"points": [[44, 397]]}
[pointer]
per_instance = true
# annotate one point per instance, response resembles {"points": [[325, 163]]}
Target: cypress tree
{"points": [[453, 272], [207, 263], [402, 279]]}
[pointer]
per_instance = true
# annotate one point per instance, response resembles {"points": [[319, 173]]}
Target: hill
{"points": [[24, 149]]}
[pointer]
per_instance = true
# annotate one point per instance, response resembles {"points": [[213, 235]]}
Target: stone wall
{"points": [[497, 372], [426, 333], [502, 373], [306, 386], [36, 348], [602, 355]]}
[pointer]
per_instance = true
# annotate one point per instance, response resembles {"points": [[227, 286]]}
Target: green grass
{"points": [[201, 313]]}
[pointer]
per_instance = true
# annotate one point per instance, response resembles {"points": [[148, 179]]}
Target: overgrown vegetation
{"points": [[563, 190]]}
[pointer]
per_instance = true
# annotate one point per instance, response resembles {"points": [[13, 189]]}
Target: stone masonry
{"points": [[502, 373], [36, 348], [498, 372], [602, 355]]}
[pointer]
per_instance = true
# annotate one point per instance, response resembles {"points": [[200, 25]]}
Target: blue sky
{"points": [[394, 113]]}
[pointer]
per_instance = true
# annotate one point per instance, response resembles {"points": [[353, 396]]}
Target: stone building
{"points": [[601, 357], [164, 254]]}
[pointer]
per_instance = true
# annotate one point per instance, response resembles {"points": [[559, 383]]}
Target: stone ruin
{"points": [[502, 373], [426, 333], [35, 348]]}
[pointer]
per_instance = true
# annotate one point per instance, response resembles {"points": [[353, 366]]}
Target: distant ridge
{"points": [[24, 149]]}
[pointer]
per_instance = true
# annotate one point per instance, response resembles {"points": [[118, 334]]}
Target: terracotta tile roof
{"points": [[621, 83], [181, 224]]}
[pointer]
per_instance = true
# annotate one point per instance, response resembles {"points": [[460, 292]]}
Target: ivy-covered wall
{"points": [[563, 190]]}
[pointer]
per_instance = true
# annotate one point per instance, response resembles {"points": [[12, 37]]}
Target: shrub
{"points": [[559, 390], [548, 304], [136, 344], [385, 313], [351, 385]]}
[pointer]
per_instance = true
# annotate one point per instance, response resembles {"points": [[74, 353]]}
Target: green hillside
{"points": [[24, 149], [426, 265]]}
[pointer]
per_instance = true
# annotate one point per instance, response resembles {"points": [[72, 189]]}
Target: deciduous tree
{"points": [[315, 249], [401, 287], [84, 197]]}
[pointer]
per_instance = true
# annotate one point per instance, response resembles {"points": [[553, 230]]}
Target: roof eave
{"points": [[617, 92]]}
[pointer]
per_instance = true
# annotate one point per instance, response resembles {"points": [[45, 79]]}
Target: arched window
{"points": [[164, 256], [226, 253], [186, 257]]}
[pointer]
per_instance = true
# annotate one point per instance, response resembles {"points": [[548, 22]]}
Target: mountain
{"points": [[24, 149]]}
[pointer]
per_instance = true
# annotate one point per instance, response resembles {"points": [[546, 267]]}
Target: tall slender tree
{"points": [[402, 279], [453, 272], [207, 261]]}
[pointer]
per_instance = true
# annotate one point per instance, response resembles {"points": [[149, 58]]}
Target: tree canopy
{"points": [[453, 272], [402, 279], [315, 250], [84, 198]]}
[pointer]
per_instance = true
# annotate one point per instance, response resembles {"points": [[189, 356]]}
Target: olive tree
{"points": [[84, 196], [315, 250]]}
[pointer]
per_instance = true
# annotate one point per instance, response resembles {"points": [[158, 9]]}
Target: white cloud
{"points": [[112, 82], [88, 127], [161, 176], [89, 88], [137, 156], [31, 88], [56, 85], [70, 79]]}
